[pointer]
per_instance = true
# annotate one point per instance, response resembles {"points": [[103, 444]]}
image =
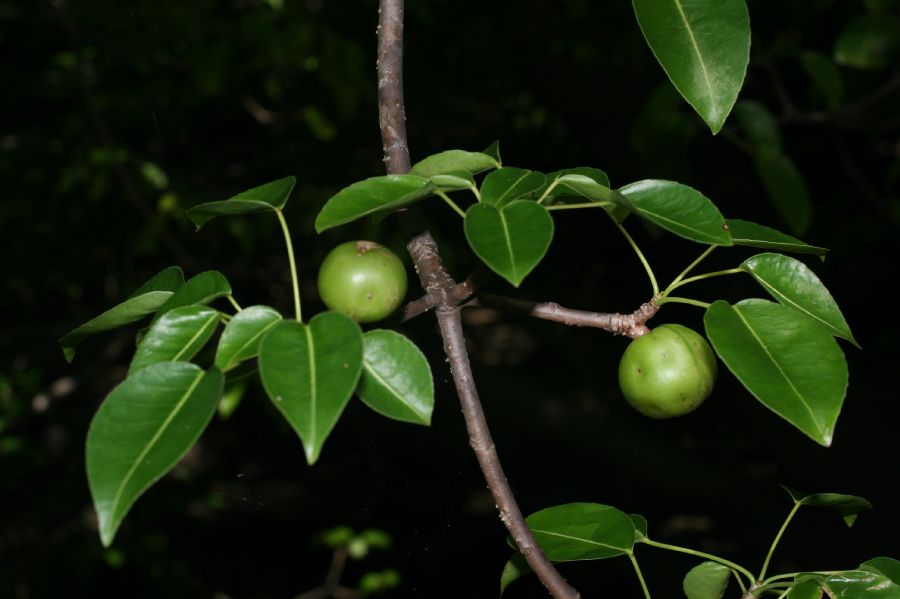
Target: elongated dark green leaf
{"points": [[506, 184], [454, 181], [793, 284], [125, 313], [869, 42], [703, 47], [396, 379], [514, 569], [265, 198], [825, 77], [309, 373], [862, 584], [678, 208], [242, 335], [759, 125], [511, 240], [176, 337], [806, 589], [581, 531], [753, 235], [788, 361], [373, 195], [168, 279], [640, 527], [198, 290], [786, 189], [884, 565], [849, 506], [706, 581], [454, 160], [144, 427]]}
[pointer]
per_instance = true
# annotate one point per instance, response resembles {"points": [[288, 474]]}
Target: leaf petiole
{"points": [[293, 264], [233, 302], [640, 256], [690, 267], [637, 570], [702, 554], [575, 206], [451, 203], [547, 191], [708, 275], [682, 300], [790, 516]]}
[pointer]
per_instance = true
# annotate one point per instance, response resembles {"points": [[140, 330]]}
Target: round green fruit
{"points": [[668, 372], [362, 280]]}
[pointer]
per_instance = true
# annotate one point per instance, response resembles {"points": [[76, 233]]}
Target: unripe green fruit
{"points": [[362, 280], [668, 372]]}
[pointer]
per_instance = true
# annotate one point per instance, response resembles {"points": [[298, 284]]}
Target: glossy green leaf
{"points": [[515, 568], [168, 279], [786, 189], [703, 47], [372, 195], [862, 584], [584, 186], [506, 184], [706, 581], [511, 240], [144, 427], [793, 284], [310, 371], [849, 506], [806, 589], [396, 379], [268, 197], [788, 361], [869, 42], [242, 335], [884, 565], [640, 527], [454, 181], [678, 208], [454, 160], [582, 531], [759, 125], [200, 289], [176, 337], [825, 76], [493, 151], [753, 235], [571, 188]]}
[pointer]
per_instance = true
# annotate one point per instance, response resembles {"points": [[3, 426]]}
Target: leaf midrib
{"points": [[249, 343], [313, 389], [509, 249], [785, 299], [690, 32], [213, 318], [579, 539], [386, 385], [679, 224]]}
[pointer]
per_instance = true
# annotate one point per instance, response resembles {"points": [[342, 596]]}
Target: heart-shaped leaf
{"points": [[504, 185], [242, 335], [753, 235], [168, 279], [515, 568], [265, 198], [396, 379], [706, 581], [310, 371], [704, 48], [142, 430], [793, 284], [198, 290], [849, 506], [788, 361], [511, 240], [582, 531], [176, 337], [454, 160], [862, 584], [786, 189], [678, 208], [372, 195]]}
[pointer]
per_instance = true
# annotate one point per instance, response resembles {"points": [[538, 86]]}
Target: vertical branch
{"points": [[439, 285]]}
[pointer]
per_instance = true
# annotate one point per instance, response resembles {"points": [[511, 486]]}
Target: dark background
{"points": [[222, 96]]}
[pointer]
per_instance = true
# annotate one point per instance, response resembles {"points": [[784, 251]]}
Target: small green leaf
{"points": [[372, 195], [514, 569], [396, 379], [806, 589], [493, 151], [862, 584], [168, 279], [849, 506], [793, 284], [198, 290], [231, 399], [678, 208], [582, 531], [454, 160], [506, 184], [310, 371], [825, 77], [869, 42], [176, 337], [759, 125], [788, 361], [584, 186], [706, 581], [640, 527], [268, 197], [786, 189], [753, 235], [454, 181], [884, 565], [242, 335], [704, 48], [142, 430], [511, 240]]}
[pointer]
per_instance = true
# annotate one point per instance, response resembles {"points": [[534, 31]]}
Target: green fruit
{"points": [[668, 372], [362, 280]]}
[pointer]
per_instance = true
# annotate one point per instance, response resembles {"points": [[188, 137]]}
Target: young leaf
{"points": [[869, 42], [310, 371], [677, 208], [584, 186], [504, 185], [268, 197], [703, 47], [454, 160], [793, 284], [786, 189], [396, 379], [454, 181], [493, 151], [825, 76], [176, 337], [759, 125], [198, 290], [242, 335], [372, 195], [753, 235], [640, 527], [849, 506], [788, 361], [515, 568], [168, 279], [706, 581], [862, 584], [511, 240], [582, 531], [806, 589], [142, 430]]}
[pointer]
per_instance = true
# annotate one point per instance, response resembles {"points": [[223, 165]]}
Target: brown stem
{"points": [[439, 287]]}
